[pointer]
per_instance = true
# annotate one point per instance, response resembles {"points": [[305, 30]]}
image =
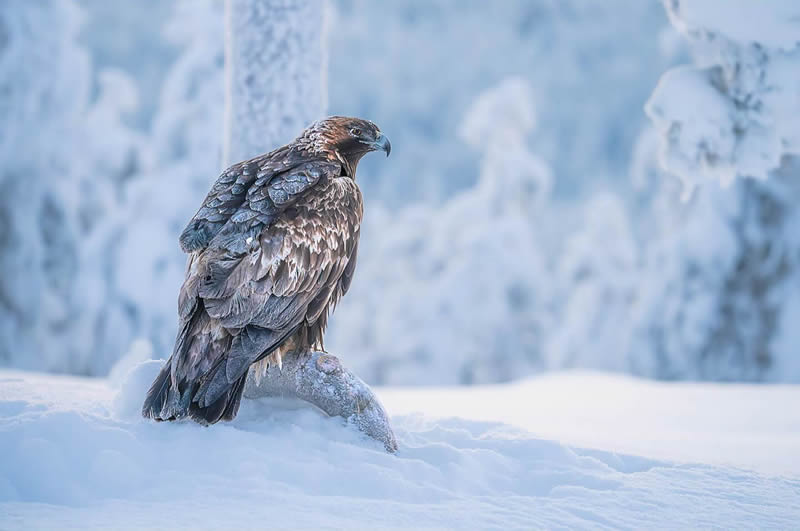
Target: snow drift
{"points": [[76, 454]]}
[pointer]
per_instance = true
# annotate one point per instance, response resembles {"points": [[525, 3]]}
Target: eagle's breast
{"points": [[315, 238]]}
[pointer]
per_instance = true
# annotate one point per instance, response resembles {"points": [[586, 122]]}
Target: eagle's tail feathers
{"points": [[232, 408], [223, 407], [163, 402], [216, 394]]}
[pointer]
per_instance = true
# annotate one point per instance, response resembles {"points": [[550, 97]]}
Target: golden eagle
{"points": [[271, 250]]}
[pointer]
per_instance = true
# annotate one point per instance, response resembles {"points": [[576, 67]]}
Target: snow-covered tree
{"points": [[721, 279], [594, 284], [732, 113], [186, 138], [61, 184], [275, 74]]}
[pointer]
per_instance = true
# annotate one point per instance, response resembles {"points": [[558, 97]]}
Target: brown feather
{"points": [[273, 248]]}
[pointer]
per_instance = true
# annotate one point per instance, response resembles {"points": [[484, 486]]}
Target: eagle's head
{"points": [[346, 140]]}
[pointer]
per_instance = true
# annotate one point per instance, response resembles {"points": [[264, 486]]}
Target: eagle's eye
{"points": [[356, 132]]}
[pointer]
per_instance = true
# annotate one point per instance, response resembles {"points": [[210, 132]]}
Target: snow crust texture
{"points": [[72, 461]]}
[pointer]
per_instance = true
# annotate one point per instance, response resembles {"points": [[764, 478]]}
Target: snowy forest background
{"points": [[608, 184]]}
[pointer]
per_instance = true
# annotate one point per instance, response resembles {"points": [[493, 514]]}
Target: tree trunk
{"points": [[275, 73]]}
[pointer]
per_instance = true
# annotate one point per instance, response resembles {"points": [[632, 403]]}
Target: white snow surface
{"points": [[76, 455]]}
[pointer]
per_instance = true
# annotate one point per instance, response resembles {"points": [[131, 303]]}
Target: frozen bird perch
{"points": [[321, 379]]}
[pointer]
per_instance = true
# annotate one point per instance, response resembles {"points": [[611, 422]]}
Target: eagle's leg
{"points": [[320, 379]]}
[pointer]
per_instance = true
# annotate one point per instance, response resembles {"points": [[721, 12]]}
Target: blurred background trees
{"points": [[725, 275], [530, 217]]}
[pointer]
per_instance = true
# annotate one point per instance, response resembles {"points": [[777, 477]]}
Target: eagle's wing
{"points": [[230, 192], [273, 264]]}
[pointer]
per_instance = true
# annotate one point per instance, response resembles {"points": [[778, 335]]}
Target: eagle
{"points": [[271, 251]]}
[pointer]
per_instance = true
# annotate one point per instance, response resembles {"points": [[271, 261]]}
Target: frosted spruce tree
{"points": [[61, 183], [720, 290]]}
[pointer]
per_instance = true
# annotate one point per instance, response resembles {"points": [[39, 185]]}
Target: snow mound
{"points": [[68, 462], [128, 401], [133, 375]]}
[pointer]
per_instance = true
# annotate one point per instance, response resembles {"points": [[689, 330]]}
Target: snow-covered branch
{"points": [[734, 112], [322, 380]]}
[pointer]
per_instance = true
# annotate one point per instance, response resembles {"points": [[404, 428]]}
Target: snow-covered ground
{"points": [[742, 425], [75, 454]]}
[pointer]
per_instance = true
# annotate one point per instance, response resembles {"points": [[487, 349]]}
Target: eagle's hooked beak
{"points": [[383, 143]]}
